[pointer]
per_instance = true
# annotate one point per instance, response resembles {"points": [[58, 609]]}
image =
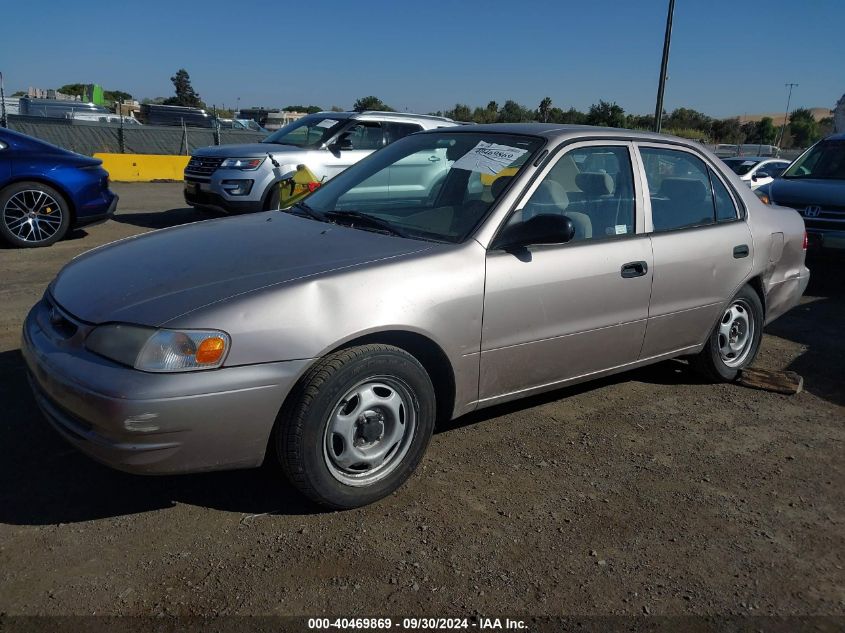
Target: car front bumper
{"points": [[152, 423]]}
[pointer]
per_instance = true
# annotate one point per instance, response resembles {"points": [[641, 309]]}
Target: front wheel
{"points": [[735, 339], [356, 426]]}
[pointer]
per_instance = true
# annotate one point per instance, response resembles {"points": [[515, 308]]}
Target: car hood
{"points": [[245, 150], [154, 278], [798, 193]]}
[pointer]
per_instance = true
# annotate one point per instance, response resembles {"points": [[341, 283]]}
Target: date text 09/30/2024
{"points": [[415, 624]]}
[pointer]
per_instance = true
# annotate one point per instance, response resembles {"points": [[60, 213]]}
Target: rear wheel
{"points": [[33, 215], [735, 340], [356, 426]]}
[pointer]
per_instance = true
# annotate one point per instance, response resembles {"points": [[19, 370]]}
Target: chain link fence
{"points": [[91, 138]]}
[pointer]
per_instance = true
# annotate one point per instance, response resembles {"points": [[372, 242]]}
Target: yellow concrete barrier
{"points": [[143, 167]]}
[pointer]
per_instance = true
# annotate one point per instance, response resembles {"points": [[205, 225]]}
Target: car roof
{"points": [[558, 132], [840, 136], [385, 115]]}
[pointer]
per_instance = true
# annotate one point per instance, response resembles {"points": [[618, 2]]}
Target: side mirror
{"points": [[760, 174], [545, 228]]}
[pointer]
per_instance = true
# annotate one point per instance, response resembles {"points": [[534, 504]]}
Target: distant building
{"points": [[40, 93]]}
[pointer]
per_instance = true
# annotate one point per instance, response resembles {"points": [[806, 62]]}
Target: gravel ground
{"points": [[647, 493]]}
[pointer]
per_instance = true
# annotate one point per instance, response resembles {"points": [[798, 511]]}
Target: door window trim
{"points": [[554, 156], [742, 212]]}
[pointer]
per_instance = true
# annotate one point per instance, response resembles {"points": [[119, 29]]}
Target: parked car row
{"points": [[331, 336]]}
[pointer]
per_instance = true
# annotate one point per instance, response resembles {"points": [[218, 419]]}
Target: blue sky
{"points": [[728, 57]]}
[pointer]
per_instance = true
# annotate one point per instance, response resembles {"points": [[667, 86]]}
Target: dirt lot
{"points": [[647, 493]]}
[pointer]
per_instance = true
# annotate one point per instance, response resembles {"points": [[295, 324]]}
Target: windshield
{"points": [[435, 186], [740, 166], [824, 160], [310, 131]]}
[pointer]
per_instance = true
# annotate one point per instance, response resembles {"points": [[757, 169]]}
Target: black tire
{"points": [[303, 440], [710, 362], [272, 201], [44, 231]]}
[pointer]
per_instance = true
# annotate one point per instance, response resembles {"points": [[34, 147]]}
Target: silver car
{"points": [[331, 337], [245, 178]]}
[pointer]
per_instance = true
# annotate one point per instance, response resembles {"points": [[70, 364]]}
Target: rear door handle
{"points": [[634, 269], [434, 159], [741, 251]]}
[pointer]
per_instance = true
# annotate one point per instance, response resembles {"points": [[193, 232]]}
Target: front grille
{"points": [[202, 165], [59, 322], [819, 216]]}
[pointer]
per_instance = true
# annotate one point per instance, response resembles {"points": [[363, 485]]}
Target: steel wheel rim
{"points": [[369, 431], [736, 333], [32, 215]]}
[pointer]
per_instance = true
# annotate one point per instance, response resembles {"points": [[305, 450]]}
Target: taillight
{"points": [[806, 241]]}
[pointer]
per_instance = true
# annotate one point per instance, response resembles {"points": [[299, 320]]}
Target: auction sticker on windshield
{"points": [[488, 158], [326, 123]]}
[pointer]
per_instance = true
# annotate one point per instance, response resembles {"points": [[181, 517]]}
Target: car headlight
{"points": [[246, 164], [159, 350]]}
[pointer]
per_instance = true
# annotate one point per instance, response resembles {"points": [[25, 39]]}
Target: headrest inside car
{"points": [[594, 183]]}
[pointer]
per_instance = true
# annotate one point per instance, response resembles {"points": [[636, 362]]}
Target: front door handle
{"points": [[741, 251], [634, 269], [434, 159]]}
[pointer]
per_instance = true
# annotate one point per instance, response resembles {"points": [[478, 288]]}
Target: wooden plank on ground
{"points": [[786, 382]]}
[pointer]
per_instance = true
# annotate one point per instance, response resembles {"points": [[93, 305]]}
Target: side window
{"points": [[725, 208], [592, 186], [679, 188], [395, 131], [775, 169], [365, 135]]}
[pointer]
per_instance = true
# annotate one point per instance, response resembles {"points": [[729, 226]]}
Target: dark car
{"points": [[154, 114], [45, 190], [814, 185]]}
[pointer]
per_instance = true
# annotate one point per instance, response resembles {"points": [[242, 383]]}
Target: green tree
{"points": [[544, 109], [687, 118], [371, 103], [116, 95], [185, 94], [335, 108], [803, 127], [490, 114], [640, 121], [460, 112], [727, 131], [310, 109], [767, 131], [74, 90], [606, 114], [512, 112]]}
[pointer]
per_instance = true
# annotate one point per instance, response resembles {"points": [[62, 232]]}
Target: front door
{"points": [[355, 142], [558, 312]]}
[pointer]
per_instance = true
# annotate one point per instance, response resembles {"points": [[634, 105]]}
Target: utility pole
{"points": [[785, 116], [664, 66], [3, 122]]}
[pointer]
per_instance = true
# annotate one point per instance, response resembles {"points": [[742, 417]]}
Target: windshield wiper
{"points": [[312, 213], [365, 219]]}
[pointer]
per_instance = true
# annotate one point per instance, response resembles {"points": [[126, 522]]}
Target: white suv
{"points": [[243, 178], [756, 171]]}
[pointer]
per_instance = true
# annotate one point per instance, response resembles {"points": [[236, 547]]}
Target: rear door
{"points": [[701, 243]]}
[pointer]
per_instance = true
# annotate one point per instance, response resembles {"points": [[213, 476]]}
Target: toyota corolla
{"points": [[332, 336]]}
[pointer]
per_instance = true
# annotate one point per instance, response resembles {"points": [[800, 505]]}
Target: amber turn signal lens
{"points": [[210, 350]]}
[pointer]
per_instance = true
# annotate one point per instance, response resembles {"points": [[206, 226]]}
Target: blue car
{"points": [[45, 190]]}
